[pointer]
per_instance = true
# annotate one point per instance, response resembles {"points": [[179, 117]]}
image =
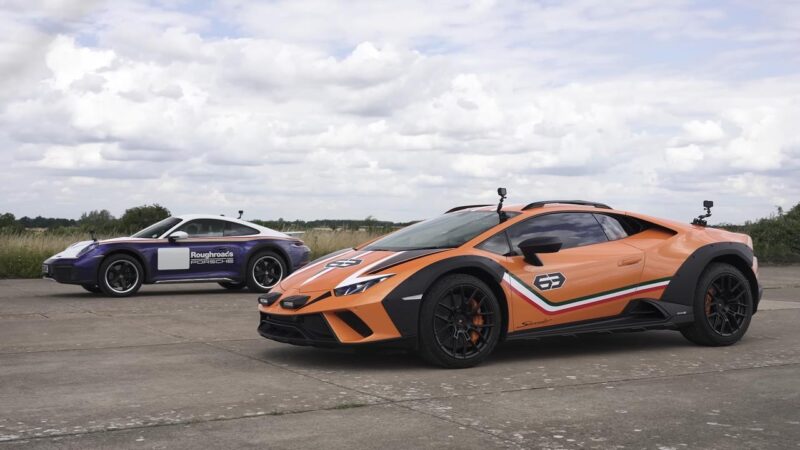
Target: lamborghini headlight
{"points": [[360, 286]]}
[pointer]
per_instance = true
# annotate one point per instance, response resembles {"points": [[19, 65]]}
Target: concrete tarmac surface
{"points": [[183, 367]]}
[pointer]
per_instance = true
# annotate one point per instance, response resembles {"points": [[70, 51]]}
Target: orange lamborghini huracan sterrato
{"points": [[455, 286]]}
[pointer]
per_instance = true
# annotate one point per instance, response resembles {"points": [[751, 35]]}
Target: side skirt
{"points": [[639, 315], [195, 280]]}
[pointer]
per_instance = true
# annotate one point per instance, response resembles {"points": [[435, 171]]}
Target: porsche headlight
{"points": [[86, 249], [360, 286]]}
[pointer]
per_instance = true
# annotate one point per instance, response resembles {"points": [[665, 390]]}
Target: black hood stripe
{"points": [[404, 257]]}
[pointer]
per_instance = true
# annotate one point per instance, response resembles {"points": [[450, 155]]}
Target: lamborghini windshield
{"points": [[155, 230], [447, 231]]}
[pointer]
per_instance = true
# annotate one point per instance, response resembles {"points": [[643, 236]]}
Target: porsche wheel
{"points": [[460, 322], [723, 306], [93, 288], [265, 270], [233, 286], [120, 276]]}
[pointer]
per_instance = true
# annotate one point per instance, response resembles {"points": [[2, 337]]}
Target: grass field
{"points": [[22, 254]]}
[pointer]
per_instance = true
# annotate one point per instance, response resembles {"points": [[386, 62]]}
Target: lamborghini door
{"points": [[591, 276]]}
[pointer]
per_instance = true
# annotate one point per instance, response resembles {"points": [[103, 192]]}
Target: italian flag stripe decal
{"points": [[549, 307]]}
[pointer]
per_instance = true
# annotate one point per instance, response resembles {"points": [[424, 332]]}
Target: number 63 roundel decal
{"points": [[548, 281]]}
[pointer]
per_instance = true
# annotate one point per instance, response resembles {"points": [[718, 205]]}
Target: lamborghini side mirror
{"points": [[177, 236], [544, 244]]}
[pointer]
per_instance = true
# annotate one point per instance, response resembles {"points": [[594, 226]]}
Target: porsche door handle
{"points": [[629, 261]]}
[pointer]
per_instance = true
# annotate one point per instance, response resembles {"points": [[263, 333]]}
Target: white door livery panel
{"points": [[173, 258]]}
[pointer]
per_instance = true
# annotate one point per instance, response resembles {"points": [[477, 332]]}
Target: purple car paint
{"points": [[188, 248]]}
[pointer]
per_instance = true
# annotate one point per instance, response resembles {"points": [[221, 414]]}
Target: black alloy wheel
{"points": [[460, 322], [723, 306], [463, 321]]}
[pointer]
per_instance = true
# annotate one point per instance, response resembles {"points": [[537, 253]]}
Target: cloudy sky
{"points": [[400, 110]]}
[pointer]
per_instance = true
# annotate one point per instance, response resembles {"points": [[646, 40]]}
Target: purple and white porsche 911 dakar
{"points": [[181, 249]]}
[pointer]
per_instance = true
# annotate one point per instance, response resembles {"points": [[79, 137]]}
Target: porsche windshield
{"points": [[155, 230], [447, 231]]}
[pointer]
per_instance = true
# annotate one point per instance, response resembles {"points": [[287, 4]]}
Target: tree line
{"points": [[101, 221], [370, 223], [139, 217], [776, 239]]}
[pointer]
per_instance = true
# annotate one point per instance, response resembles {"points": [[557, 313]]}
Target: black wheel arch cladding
{"points": [[683, 284], [405, 313]]}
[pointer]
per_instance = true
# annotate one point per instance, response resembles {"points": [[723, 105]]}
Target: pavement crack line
{"points": [[401, 403], [120, 347], [179, 423], [383, 401]]}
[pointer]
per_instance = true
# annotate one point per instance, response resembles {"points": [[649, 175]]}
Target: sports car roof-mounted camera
{"points": [[701, 219], [502, 193]]}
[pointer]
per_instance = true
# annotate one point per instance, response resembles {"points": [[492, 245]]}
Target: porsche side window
{"points": [[613, 228], [496, 244], [204, 228], [574, 229], [157, 229], [237, 229]]}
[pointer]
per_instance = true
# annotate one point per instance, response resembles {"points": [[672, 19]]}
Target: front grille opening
{"points": [[308, 327], [354, 322], [63, 272]]}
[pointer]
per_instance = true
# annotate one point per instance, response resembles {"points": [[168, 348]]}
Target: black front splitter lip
{"points": [[298, 341], [398, 343]]}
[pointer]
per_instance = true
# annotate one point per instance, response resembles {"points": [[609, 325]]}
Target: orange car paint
{"points": [[600, 278]]}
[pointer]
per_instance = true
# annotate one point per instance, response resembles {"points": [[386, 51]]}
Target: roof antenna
{"points": [[502, 193], [701, 219], [241, 211]]}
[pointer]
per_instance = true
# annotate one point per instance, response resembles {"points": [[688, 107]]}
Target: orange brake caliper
{"points": [[709, 300], [477, 319]]}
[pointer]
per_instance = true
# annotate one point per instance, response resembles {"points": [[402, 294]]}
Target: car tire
{"points": [[460, 322], [93, 288], [120, 275], [723, 307], [233, 286], [265, 270]]}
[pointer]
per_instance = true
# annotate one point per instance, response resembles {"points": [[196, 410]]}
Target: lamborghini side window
{"points": [[496, 244], [204, 228], [613, 228], [573, 229], [237, 229]]}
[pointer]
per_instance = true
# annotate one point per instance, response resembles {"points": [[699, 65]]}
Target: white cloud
{"points": [[320, 109], [703, 131]]}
